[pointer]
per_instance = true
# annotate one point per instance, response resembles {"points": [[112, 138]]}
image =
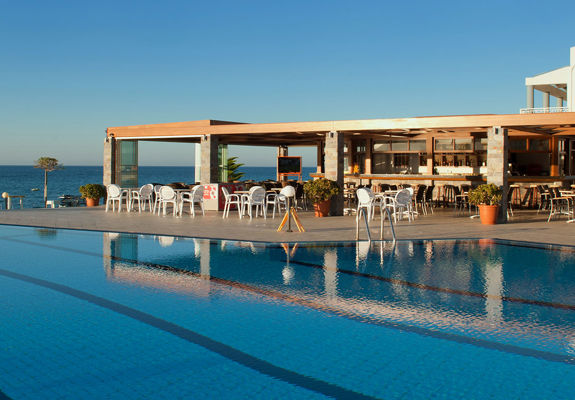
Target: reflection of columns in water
{"points": [[204, 250], [494, 291], [330, 272]]}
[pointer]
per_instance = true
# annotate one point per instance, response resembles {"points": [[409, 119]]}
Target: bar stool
{"points": [[515, 194]]}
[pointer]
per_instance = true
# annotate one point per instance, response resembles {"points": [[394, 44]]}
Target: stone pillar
{"points": [[558, 102], [109, 164], [497, 164], [334, 167], [530, 91], [209, 172], [545, 99]]}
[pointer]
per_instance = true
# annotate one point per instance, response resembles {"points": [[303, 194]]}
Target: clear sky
{"points": [[70, 69]]}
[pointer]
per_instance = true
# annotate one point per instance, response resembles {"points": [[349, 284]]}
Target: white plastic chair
{"points": [[168, 196], [231, 199], [281, 199], [196, 196], [257, 199], [400, 203], [143, 195], [156, 198], [366, 199], [116, 195]]}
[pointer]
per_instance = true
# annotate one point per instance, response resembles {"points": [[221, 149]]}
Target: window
{"points": [[463, 144], [539, 144], [444, 144]]}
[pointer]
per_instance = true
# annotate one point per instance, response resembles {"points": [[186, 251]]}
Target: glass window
{"points": [[417, 145], [127, 163], [381, 146], [444, 144], [463, 144], [518, 144], [480, 144], [539, 144], [399, 145]]}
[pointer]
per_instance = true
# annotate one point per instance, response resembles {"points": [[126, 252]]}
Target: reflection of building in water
{"points": [[121, 264], [494, 291], [330, 272]]}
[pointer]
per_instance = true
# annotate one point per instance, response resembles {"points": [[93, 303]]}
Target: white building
{"points": [[558, 84]]}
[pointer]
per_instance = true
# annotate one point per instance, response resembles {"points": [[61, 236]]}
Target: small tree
{"points": [[48, 164], [232, 166]]}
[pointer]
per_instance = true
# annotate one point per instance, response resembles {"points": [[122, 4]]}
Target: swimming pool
{"points": [[108, 315]]}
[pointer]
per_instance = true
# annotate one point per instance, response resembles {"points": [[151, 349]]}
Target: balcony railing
{"points": [[541, 110]]}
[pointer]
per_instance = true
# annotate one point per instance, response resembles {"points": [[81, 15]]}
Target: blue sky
{"points": [[70, 69]]}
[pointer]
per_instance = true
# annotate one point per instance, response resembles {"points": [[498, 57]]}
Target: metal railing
{"points": [[542, 110], [384, 213]]}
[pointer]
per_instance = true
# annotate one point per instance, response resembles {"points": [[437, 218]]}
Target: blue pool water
{"points": [[96, 315]]}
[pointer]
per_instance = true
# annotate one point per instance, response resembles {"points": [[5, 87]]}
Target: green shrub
{"points": [[92, 191], [489, 194], [320, 190]]}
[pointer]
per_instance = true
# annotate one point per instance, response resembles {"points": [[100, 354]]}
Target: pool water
{"points": [[95, 315]]}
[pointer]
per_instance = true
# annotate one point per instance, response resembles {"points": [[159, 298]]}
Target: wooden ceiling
{"points": [[311, 133]]}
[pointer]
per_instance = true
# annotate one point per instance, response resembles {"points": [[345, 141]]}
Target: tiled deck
{"points": [[526, 225]]}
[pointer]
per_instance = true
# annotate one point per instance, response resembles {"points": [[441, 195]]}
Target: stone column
{"points": [[497, 164], [530, 90], [545, 99], [109, 164], [209, 172], [334, 167], [558, 102]]}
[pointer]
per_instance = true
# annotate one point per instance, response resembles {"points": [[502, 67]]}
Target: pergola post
{"points": [[497, 164], [109, 163], [334, 167], [209, 172], [429, 153]]}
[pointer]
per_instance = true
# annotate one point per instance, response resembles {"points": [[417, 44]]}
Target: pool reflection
{"points": [[482, 289]]}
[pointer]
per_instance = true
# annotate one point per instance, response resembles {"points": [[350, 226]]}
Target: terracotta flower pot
{"points": [[92, 202], [488, 214], [322, 209]]}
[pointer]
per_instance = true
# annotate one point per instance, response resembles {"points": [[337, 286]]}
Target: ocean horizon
{"points": [[25, 180]]}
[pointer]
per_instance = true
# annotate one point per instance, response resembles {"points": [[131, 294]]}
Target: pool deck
{"points": [[526, 225]]}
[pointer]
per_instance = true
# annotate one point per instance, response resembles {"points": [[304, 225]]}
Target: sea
{"points": [[29, 181]]}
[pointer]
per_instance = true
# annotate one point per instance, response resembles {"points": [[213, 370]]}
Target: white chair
{"points": [[281, 199], [366, 199], [168, 196], [231, 199], [156, 198], [256, 198], [196, 196], [116, 195], [143, 195], [400, 203]]}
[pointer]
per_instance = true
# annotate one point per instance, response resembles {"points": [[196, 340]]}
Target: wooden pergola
{"points": [[329, 137]]}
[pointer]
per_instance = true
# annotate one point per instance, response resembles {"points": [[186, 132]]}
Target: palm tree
{"points": [[232, 166], [48, 164]]}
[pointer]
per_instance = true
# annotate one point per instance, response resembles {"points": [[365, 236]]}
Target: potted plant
{"points": [[487, 198], [320, 192], [92, 193]]}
